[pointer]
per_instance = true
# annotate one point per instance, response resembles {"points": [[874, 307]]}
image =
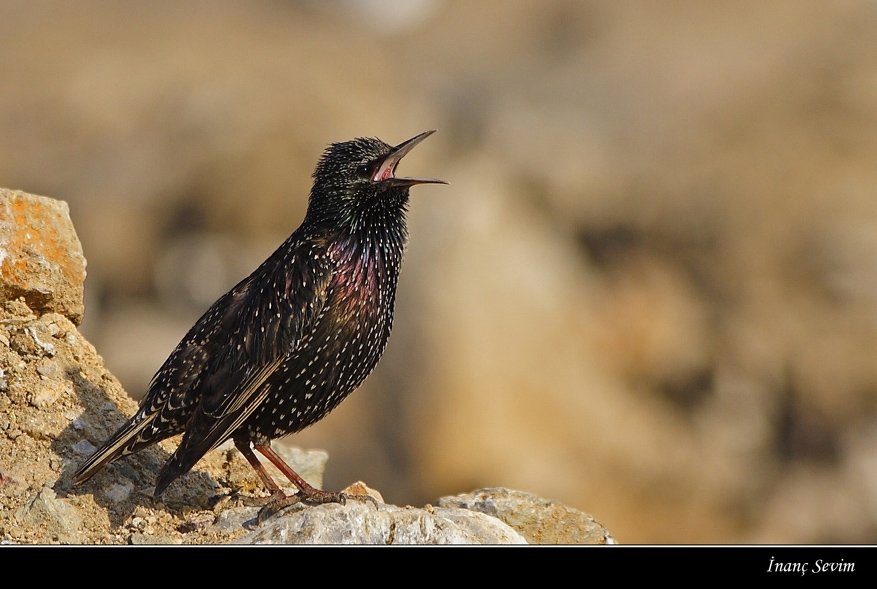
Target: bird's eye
{"points": [[365, 171]]}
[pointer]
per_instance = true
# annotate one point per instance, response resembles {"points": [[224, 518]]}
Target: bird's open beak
{"points": [[387, 170]]}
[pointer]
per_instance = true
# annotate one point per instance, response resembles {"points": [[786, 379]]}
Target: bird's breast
{"points": [[362, 290]]}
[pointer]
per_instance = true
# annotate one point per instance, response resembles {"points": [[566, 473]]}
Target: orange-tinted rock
{"points": [[40, 255]]}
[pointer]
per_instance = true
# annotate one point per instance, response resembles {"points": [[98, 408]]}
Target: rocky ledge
{"points": [[57, 400]]}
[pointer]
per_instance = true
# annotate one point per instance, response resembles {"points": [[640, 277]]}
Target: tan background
{"points": [[650, 290]]}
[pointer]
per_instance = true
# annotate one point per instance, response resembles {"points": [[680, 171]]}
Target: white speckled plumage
{"points": [[288, 343]]}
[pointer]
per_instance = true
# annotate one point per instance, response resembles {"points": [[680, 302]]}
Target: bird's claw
{"points": [[275, 505], [319, 497], [368, 498]]}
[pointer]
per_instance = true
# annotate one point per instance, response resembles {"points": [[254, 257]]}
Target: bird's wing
{"points": [[265, 324], [169, 399], [123, 442]]}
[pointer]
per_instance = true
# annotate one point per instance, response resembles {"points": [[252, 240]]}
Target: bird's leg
{"points": [[278, 499], [277, 493], [306, 492]]}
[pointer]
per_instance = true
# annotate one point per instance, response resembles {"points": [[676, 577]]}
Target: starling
{"points": [[286, 345]]}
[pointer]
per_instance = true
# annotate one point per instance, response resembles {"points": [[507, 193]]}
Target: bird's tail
{"points": [[175, 467], [201, 436], [127, 440]]}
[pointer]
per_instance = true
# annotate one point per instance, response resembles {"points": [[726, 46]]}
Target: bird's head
{"points": [[357, 179]]}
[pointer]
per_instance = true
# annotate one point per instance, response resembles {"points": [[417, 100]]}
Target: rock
{"points": [[118, 491], [309, 464], [60, 519], [362, 522], [40, 255], [360, 489], [236, 518], [540, 521], [148, 540], [58, 402]]}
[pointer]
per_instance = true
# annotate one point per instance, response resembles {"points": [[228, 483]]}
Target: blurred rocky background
{"points": [[650, 290]]}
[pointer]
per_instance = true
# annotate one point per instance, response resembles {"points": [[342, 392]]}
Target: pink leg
{"points": [[306, 491], [278, 499]]}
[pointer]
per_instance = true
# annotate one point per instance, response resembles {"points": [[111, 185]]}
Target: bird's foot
{"points": [[274, 504], [363, 497], [248, 501], [318, 497]]}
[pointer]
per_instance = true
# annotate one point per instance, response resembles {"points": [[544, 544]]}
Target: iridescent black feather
{"points": [[281, 349]]}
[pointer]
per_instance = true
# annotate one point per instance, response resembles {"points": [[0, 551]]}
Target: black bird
{"points": [[286, 345]]}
